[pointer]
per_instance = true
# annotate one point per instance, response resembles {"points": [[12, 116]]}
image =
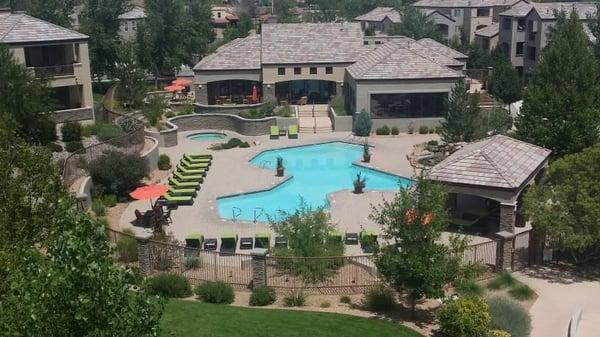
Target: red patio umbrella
{"points": [[149, 192], [182, 82], [174, 88], [254, 94]]}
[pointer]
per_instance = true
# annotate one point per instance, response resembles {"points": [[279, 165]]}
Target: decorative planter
{"points": [[280, 171]]}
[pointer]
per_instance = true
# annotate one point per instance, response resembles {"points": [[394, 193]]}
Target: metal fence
{"points": [[483, 253], [521, 251]]}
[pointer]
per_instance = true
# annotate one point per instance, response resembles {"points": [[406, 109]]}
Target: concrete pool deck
{"points": [[231, 173]]}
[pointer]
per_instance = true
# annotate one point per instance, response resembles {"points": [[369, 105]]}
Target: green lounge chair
{"points": [[229, 241], [262, 240], [175, 200], [274, 132], [184, 184], [186, 178], [190, 172], [199, 155], [193, 244], [293, 131], [368, 240], [335, 236], [189, 164], [183, 191], [193, 160]]}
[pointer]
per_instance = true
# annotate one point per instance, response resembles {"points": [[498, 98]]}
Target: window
{"points": [[328, 70], [313, 70], [531, 53], [506, 23], [126, 26], [297, 71], [530, 26], [521, 25], [366, 43], [219, 15], [457, 12], [280, 71], [409, 105], [378, 42], [519, 51], [483, 12]]}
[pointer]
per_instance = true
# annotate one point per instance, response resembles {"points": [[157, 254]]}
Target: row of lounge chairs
{"points": [[186, 179], [292, 132]]}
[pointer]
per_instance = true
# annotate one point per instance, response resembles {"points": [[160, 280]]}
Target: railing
{"points": [[483, 253], [56, 70]]}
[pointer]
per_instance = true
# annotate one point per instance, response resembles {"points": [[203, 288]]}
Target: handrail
{"points": [[233, 215], [262, 211]]}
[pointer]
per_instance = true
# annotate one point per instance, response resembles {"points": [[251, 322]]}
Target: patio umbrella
{"points": [[149, 192], [174, 88], [254, 94], [182, 82]]}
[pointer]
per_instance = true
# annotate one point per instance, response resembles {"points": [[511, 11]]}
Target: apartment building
{"points": [[129, 21], [57, 53]]}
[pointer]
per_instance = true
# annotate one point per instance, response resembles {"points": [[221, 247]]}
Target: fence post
{"points": [[259, 268], [144, 256], [504, 251]]}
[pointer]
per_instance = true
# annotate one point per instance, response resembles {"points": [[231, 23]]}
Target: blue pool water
{"points": [[207, 136], [316, 171]]}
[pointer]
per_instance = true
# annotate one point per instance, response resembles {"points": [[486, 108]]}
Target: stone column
{"points": [[504, 251], [269, 92], [201, 93], [144, 258], [259, 268], [507, 217]]}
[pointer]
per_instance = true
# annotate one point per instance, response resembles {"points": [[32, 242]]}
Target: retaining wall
{"points": [[225, 109], [151, 155], [340, 123], [243, 126]]}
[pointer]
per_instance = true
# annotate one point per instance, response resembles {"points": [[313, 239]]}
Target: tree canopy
{"points": [[415, 24], [505, 83], [55, 11], [461, 115], [198, 30], [561, 104], [131, 76]]}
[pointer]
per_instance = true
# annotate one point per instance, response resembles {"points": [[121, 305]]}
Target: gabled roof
{"points": [[378, 14], [442, 48], [136, 12], [464, 3], [519, 10], [497, 161], [239, 54], [396, 60], [489, 31], [429, 12], [22, 28], [311, 43], [547, 10], [425, 51]]}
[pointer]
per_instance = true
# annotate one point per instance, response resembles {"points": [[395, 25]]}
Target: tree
{"points": [[594, 26], [415, 25], [54, 11], [99, 20], [505, 83], [57, 277], [198, 30], [240, 30], [461, 115], [417, 262], [566, 204], [561, 104], [117, 172], [282, 10], [154, 109], [131, 76], [363, 124], [25, 100]]}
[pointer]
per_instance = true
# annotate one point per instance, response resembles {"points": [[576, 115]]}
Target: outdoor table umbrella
{"points": [[174, 88], [254, 94], [149, 192], [182, 82]]}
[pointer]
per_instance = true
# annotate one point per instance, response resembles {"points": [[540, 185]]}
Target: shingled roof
{"points": [[464, 3], [378, 14], [489, 31], [134, 13], [442, 48], [22, 28], [497, 161], [548, 10], [242, 53]]}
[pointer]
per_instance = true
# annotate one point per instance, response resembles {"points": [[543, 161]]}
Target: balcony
{"points": [[531, 36], [53, 71]]}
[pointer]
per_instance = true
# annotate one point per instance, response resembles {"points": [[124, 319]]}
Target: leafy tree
{"points": [[198, 30], [461, 114], [131, 76], [566, 205], [25, 100], [561, 104], [415, 25], [154, 109], [505, 83], [478, 57], [363, 124], [282, 10], [55, 11], [118, 173], [465, 317], [417, 263], [99, 20], [242, 29], [57, 277]]}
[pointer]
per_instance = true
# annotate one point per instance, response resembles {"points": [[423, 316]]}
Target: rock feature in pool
{"points": [[207, 136], [316, 171]]}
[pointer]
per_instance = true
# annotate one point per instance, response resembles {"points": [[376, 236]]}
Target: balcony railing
{"points": [[56, 70]]}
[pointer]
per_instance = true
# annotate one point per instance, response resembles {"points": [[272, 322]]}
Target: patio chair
{"points": [[368, 240], [175, 200], [194, 166], [183, 192], [210, 244], [191, 172], [228, 242], [184, 184], [199, 155], [196, 160], [184, 178], [335, 236], [293, 131], [351, 239], [139, 217], [281, 241], [246, 243], [193, 243], [274, 132], [302, 101], [262, 240]]}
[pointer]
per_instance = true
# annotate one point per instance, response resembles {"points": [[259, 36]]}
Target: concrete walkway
{"points": [[562, 292]]}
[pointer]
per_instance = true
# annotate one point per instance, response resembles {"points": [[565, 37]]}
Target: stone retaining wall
{"points": [[73, 115], [246, 127], [151, 155], [225, 109], [340, 123]]}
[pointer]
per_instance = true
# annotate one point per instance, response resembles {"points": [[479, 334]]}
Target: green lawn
{"points": [[186, 318]]}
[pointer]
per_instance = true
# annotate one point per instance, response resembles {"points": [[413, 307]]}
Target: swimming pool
{"points": [[316, 171], [207, 136]]}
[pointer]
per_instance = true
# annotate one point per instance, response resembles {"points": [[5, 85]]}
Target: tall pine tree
{"points": [[461, 115], [505, 83], [561, 105]]}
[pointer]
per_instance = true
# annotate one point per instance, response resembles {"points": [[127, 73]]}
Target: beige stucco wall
{"points": [[270, 75], [128, 29]]}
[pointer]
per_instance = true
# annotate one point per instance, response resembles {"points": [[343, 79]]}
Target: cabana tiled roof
{"points": [[464, 3], [299, 43], [442, 48], [378, 14], [396, 60], [22, 28], [239, 54], [136, 12], [489, 31], [497, 161]]}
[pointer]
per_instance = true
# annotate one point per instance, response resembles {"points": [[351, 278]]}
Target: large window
{"points": [[328, 70], [297, 71], [409, 105], [506, 23], [483, 12], [280, 71], [519, 51], [531, 53], [315, 91], [66, 97]]}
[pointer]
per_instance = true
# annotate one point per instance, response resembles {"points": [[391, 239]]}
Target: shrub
{"points": [[153, 109], [498, 333], [395, 131], [363, 124], [469, 289], [285, 111], [438, 129], [379, 298], [411, 128], [127, 248], [71, 131], [431, 130], [188, 108], [345, 299], [325, 304], [423, 129], [465, 317], [192, 262], [509, 316], [252, 114], [164, 162], [521, 292], [88, 130], [295, 298], [339, 105], [262, 296], [503, 280], [244, 145], [118, 173], [215, 292], [433, 143], [129, 124], [53, 147], [170, 114], [384, 130], [109, 200], [74, 146], [106, 131], [267, 108], [168, 285], [98, 207]]}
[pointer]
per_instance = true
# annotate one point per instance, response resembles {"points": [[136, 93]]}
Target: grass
{"points": [[469, 289], [516, 289], [503, 280], [522, 292], [187, 318]]}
